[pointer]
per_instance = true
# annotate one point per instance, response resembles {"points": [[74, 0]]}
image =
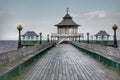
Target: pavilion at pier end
{"points": [[67, 30]]}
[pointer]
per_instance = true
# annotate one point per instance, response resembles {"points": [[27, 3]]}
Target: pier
{"points": [[64, 62], [62, 56]]}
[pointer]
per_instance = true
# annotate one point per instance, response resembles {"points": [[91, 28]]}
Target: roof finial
{"points": [[67, 10]]}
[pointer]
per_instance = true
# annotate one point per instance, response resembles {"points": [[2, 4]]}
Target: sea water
{"points": [[8, 45]]}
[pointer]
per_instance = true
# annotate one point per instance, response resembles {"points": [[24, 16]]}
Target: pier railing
{"points": [[30, 55], [67, 35], [101, 42], [33, 42], [10, 56], [108, 55]]}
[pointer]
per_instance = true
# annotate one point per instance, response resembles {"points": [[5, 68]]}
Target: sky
{"points": [[42, 15]]}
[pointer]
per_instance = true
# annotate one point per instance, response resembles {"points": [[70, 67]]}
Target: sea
{"points": [[9, 45]]}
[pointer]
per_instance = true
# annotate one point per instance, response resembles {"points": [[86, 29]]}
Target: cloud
{"points": [[5, 17], [91, 22], [97, 20], [96, 14], [9, 21], [6, 21], [75, 15], [4, 13]]}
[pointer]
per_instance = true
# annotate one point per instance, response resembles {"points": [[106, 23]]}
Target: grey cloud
{"points": [[98, 20]]}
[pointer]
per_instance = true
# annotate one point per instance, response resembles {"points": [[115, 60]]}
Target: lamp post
{"points": [[40, 37], [48, 38], [88, 37], [19, 28], [115, 39]]}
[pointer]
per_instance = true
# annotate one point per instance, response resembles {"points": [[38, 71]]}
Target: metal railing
{"points": [[107, 61], [15, 70], [67, 35], [101, 42]]}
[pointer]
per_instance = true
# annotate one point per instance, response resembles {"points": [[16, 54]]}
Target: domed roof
{"points": [[67, 16], [67, 21], [30, 33], [102, 33]]}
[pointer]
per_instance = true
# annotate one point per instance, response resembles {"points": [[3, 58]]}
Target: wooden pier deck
{"points": [[64, 62]]}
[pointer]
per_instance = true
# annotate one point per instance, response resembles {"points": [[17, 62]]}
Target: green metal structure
{"points": [[16, 71], [113, 64]]}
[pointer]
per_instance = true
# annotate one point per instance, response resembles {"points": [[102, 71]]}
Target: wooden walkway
{"points": [[64, 62]]}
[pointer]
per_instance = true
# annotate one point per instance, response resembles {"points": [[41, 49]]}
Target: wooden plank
{"points": [[64, 62]]}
